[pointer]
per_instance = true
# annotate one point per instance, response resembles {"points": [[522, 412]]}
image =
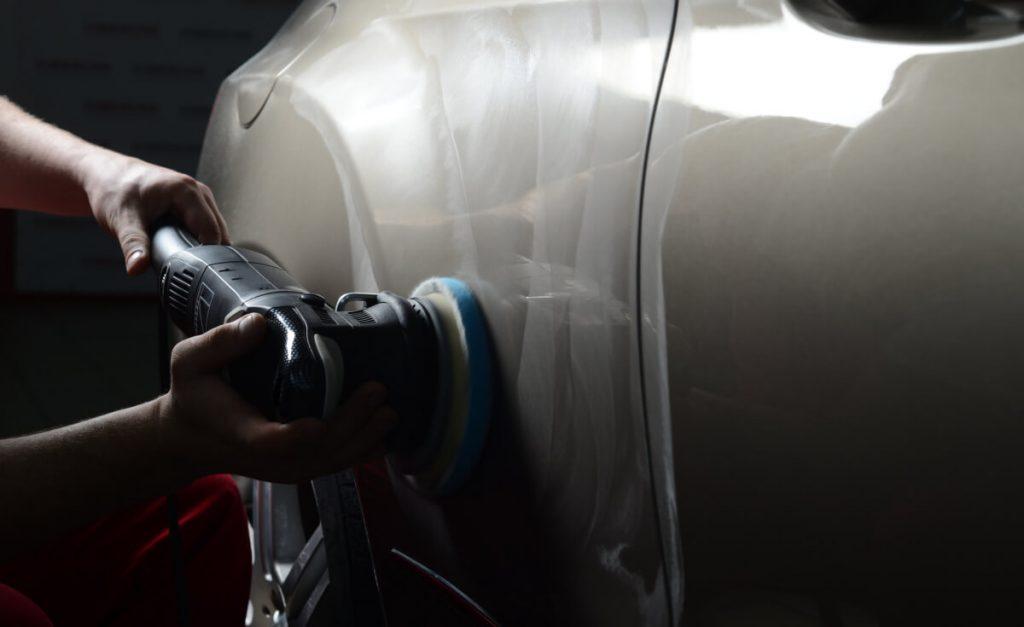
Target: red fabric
{"points": [[18, 609], [119, 571]]}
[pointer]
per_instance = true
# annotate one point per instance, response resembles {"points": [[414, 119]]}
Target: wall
{"points": [[138, 77], [79, 338]]}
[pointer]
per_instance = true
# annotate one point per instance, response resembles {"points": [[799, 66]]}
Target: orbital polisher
{"points": [[431, 350]]}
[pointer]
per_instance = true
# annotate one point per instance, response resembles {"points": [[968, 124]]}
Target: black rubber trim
{"points": [[353, 589], [639, 311]]}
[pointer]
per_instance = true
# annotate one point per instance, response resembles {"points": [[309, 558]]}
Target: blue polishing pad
{"points": [[467, 416]]}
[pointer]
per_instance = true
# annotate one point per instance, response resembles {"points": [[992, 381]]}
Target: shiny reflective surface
{"points": [[833, 227], [829, 269], [500, 143], [256, 79]]}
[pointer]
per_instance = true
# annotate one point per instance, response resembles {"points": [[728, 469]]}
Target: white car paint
{"points": [[794, 367]]}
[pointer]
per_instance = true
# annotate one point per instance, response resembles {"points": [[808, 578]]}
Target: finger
{"points": [[225, 238], [218, 347], [191, 207], [360, 446], [273, 451], [310, 447], [355, 412], [350, 460], [211, 212], [131, 235], [279, 443], [196, 219]]}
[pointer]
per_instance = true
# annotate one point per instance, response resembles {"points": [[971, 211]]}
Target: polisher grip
{"points": [[204, 286], [284, 377]]}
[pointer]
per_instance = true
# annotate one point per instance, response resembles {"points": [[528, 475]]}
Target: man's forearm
{"points": [[42, 168], [57, 480]]}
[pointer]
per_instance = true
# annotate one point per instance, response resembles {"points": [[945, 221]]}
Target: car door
{"points": [[831, 230]]}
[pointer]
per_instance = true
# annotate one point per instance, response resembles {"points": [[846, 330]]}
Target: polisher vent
{"points": [[362, 317], [179, 286], [323, 315]]}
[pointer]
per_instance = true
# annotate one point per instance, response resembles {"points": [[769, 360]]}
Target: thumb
{"points": [[222, 345], [131, 234]]}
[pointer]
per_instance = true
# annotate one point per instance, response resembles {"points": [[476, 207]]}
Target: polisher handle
{"points": [[167, 239], [291, 374], [313, 356]]}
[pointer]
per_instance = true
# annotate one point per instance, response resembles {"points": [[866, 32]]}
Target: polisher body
{"points": [[315, 355]]}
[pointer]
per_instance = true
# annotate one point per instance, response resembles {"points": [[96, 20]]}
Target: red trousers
{"points": [[119, 570]]}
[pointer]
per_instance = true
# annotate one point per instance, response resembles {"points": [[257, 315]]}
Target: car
{"points": [[751, 274]]}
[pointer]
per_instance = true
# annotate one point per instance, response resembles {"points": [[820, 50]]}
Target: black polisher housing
{"points": [[313, 356]]}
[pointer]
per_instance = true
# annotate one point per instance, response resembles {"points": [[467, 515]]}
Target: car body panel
{"points": [[794, 363], [832, 232], [501, 143]]}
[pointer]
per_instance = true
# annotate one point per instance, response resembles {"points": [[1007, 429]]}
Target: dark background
{"points": [[78, 337]]}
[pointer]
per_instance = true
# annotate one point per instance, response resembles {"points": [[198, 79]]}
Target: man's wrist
{"points": [[91, 167], [187, 451]]}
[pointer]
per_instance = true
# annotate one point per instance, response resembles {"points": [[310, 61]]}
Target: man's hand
{"points": [[200, 427], [228, 434], [127, 194], [43, 168]]}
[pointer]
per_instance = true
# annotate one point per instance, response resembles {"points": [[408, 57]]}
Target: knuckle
{"points": [[202, 343], [133, 194], [179, 358], [130, 238], [179, 179], [214, 337], [190, 197]]}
